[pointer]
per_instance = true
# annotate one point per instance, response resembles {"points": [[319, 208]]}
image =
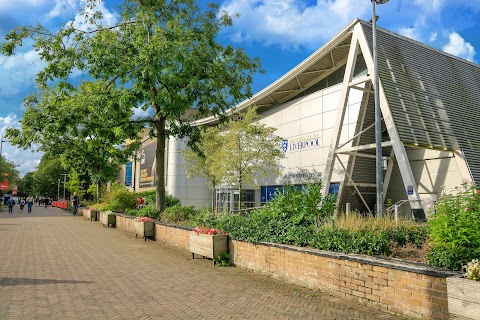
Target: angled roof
{"points": [[434, 97]]}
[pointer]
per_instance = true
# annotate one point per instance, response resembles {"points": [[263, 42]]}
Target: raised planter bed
{"points": [[463, 298], [207, 245], [145, 229]]}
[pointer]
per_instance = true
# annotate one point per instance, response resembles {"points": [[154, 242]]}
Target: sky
{"points": [[282, 33]]}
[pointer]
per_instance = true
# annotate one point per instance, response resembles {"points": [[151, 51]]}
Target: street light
{"points": [[378, 114], [58, 191], [64, 181]]}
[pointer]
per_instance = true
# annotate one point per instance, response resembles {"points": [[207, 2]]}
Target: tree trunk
{"points": [[98, 191], [160, 164]]}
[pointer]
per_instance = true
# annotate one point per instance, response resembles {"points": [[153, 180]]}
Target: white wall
{"points": [[191, 192], [311, 120]]}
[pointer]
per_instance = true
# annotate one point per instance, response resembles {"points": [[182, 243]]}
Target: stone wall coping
{"points": [[172, 225], [379, 261]]}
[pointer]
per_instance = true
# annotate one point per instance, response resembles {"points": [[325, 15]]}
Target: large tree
{"points": [[86, 126], [161, 55], [47, 176]]}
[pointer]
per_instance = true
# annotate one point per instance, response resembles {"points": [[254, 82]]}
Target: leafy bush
{"points": [[118, 199], [149, 197], [454, 230], [177, 213], [148, 211], [290, 217], [204, 217]]}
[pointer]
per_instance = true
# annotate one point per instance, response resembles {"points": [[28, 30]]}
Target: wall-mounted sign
{"points": [[409, 190], [147, 166], [128, 174], [4, 185], [301, 143], [302, 176]]}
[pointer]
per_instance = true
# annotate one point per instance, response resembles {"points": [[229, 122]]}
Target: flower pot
{"points": [[109, 220], [145, 229], [93, 215], [208, 245], [463, 298]]}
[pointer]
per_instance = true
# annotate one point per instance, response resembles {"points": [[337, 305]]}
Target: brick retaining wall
{"points": [[405, 288]]}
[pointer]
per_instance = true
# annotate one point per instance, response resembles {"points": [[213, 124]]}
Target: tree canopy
{"points": [[160, 56]]}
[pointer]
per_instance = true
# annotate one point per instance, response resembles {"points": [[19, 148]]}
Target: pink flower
{"points": [[209, 231]]}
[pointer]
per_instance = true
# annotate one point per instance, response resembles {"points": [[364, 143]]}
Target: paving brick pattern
{"points": [[56, 266]]}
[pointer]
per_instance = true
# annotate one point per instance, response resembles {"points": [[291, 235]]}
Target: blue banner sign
{"points": [[128, 174]]}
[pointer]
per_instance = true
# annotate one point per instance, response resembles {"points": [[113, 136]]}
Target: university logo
{"points": [[285, 145]]}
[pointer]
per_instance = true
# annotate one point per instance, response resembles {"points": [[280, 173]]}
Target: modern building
{"points": [[324, 110]]}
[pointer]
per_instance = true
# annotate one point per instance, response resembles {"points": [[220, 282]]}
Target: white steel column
{"points": [[400, 153], [342, 106]]}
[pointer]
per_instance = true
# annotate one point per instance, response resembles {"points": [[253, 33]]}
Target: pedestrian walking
{"points": [[29, 203], [75, 203], [10, 204], [45, 201], [22, 204]]}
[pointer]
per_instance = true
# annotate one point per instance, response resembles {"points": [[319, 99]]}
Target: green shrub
{"points": [[177, 213], [290, 217], [118, 199], [150, 198], [148, 211], [204, 217], [454, 230]]}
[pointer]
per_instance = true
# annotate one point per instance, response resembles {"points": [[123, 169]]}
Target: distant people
{"points": [[29, 203], [75, 203], [22, 204], [45, 201], [10, 204]]}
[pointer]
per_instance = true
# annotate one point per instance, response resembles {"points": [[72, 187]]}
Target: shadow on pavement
{"points": [[7, 282]]}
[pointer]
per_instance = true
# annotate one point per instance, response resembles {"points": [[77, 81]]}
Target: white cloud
{"points": [[410, 32], [433, 37], [62, 6], [290, 22], [457, 46], [21, 69], [27, 160], [108, 17]]}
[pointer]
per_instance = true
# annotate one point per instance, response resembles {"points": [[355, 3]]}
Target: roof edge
{"points": [[319, 53]]}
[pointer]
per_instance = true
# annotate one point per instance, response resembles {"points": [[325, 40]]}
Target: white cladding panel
{"points": [[191, 192], [434, 171], [306, 124]]}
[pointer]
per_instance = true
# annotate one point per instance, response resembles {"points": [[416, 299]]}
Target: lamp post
{"points": [[378, 113], [64, 181]]}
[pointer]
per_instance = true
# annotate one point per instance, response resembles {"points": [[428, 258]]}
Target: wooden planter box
{"points": [[463, 298], [207, 245], [109, 220], [93, 215], [145, 229]]}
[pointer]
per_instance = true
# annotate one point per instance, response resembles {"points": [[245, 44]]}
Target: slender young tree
{"points": [[200, 157], [160, 55], [250, 150]]}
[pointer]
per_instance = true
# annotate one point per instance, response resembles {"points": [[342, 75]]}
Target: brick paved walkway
{"points": [[55, 266]]}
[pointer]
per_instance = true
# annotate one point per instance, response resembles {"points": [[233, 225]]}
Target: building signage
{"points": [[128, 174], [302, 176], [309, 141], [4, 185], [147, 166]]}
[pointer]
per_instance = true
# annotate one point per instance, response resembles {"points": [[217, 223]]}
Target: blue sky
{"points": [[282, 33]]}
